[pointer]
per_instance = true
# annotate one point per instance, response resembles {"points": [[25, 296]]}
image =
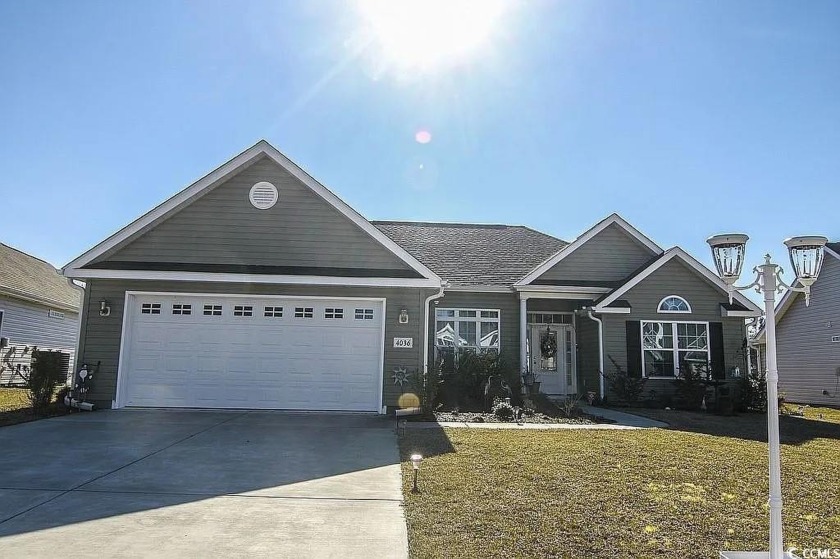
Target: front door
{"points": [[552, 356]]}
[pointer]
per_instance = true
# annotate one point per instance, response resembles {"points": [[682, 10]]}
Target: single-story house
{"points": [[808, 339], [257, 287], [38, 308]]}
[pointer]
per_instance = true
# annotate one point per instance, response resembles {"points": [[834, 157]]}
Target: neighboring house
{"points": [[808, 339], [38, 308], [257, 287]]}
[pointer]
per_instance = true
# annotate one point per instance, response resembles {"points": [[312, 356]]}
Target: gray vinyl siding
{"points": [[506, 303], [222, 227], [674, 278], [609, 256], [29, 325], [100, 340], [808, 361]]}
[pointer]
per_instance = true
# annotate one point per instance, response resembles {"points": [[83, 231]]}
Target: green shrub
{"points": [[427, 389], [689, 388], [463, 380], [503, 410], [752, 392], [45, 373], [625, 387]]}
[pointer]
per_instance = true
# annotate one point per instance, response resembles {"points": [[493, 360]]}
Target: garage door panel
{"points": [[276, 362]]}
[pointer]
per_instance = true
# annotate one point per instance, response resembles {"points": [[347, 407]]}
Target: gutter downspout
{"points": [[428, 301], [524, 366], [600, 350]]}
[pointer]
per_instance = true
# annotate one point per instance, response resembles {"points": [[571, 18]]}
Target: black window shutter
{"points": [[718, 361], [634, 347]]}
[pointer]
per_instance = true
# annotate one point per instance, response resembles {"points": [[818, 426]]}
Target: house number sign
{"points": [[407, 343]]}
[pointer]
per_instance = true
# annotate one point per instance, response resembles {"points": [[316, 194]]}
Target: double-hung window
{"points": [[465, 330], [670, 347]]}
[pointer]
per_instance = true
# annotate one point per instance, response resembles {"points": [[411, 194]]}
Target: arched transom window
{"points": [[674, 304]]}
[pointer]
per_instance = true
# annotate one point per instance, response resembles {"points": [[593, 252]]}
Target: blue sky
{"points": [[688, 118]]}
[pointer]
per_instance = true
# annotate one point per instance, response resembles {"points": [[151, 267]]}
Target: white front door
{"points": [[552, 356]]}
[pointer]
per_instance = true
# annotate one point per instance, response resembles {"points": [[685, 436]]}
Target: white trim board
{"points": [[585, 238], [215, 178], [255, 278], [670, 254]]}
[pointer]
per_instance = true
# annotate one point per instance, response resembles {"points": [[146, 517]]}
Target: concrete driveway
{"points": [[158, 483]]}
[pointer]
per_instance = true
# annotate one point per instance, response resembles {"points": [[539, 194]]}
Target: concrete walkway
{"points": [[622, 421], [153, 483]]}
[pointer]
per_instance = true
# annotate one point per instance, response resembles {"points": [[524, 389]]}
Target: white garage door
{"points": [[252, 352]]}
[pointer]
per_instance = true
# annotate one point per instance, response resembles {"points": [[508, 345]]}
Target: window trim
{"points": [[675, 351], [683, 299], [475, 319]]}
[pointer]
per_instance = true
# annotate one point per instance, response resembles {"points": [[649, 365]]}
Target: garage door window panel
{"points": [[212, 310], [150, 308], [243, 310], [181, 309], [304, 312], [364, 314], [274, 312]]}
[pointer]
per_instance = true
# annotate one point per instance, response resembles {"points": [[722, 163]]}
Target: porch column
{"points": [[523, 333]]}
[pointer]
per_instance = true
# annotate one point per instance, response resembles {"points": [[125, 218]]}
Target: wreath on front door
{"points": [[548, 345]]}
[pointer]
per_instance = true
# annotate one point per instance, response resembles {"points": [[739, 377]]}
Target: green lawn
{"points": [[688, 491], [14, 407]]}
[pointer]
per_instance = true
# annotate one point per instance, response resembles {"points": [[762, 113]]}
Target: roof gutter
{"points": [[39, 300]]}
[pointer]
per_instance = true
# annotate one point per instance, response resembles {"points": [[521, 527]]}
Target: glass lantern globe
{"points": [[806, 257], [728, 251]]}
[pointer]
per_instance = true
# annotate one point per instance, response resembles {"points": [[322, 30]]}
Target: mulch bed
{"points": [[487, 417]]}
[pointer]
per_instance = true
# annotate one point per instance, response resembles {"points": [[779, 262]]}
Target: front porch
{"points": [[559, 344]]}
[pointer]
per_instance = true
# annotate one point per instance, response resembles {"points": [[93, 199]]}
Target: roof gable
{"points": [[25, 277], [691, 263], [577, 261], [212, 240]]}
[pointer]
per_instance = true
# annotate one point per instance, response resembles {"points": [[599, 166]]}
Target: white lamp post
{"points": [[806, 256]]}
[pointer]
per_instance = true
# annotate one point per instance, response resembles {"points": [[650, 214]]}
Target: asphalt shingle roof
{"points": [[27, 276], [834, 247], [470, 254]]}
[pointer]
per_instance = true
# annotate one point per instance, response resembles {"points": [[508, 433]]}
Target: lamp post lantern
{"points": [[806, 257]]}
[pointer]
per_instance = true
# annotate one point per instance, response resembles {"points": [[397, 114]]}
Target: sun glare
{"points": [[428, 34]]}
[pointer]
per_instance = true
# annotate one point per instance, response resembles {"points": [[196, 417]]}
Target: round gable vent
{"points": [[263, 195]]}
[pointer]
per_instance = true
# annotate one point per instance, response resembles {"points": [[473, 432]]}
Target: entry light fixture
{"points": [[104, 309], [403, 318], [415, 465]]}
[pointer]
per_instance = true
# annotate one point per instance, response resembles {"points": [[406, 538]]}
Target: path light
{"points": [[415, 464], [806, 256]]}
